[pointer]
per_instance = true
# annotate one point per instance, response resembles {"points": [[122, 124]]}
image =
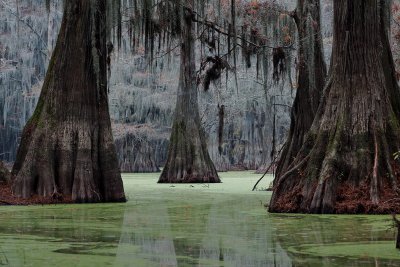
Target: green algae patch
{"points": [[27, 250], [377, 250], [187, 225]]}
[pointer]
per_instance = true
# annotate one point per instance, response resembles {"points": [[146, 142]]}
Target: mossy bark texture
{"points": [[311, 79], [67, 146], [345, 164]]}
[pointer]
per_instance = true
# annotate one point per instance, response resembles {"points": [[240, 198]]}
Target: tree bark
{"points": [[311, 79], [188, 159], [4, 173], [67, 146], [396, 223], [345, 164], [145, 159]]}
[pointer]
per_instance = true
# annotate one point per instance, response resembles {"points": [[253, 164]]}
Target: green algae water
{"points": [[190, 225]]}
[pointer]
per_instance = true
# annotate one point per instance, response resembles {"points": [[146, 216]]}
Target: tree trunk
{"points": [[188, 159], [145, 158], [396, 224], [4, 173], [67, 146], [312, 74], [345, 164]]}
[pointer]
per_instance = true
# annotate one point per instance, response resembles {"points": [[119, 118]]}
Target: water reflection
{"points": [[331, 240], [148, 236], [237, 239], [213, 232], [175, 227]]}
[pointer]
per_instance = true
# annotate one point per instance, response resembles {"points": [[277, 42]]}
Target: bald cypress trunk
{"points": [[346, 163], [4, 173], [67, 146], [312, 74], [188, 159]]}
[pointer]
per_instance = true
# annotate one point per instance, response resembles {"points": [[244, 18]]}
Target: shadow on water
{"points": [[189, 226]]}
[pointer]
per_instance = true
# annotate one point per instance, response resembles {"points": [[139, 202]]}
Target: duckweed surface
{"points": [[191, 225]]}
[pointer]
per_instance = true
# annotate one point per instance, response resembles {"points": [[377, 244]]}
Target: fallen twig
{"points": [[269, 167]]}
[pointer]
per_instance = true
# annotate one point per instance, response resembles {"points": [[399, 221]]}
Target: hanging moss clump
{"points": [[278, 60], [218, 65]]}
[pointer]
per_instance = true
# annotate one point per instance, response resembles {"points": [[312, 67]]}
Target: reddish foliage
{"points": [[351, 199], [292, 199], [7, 198], [356, 199], [289, 202]]}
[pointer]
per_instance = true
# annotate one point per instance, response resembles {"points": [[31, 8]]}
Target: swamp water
{"points": [[190, 225]]}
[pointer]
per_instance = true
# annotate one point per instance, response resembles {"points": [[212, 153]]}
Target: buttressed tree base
{"points": [[67, 147], [346, 163]]}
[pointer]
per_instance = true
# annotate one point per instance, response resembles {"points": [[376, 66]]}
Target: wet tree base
{"points": [[350, 200], [346, 206], [7, 198]]}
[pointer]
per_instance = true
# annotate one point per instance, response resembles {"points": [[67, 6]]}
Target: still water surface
{"points": [[190, 225]]}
